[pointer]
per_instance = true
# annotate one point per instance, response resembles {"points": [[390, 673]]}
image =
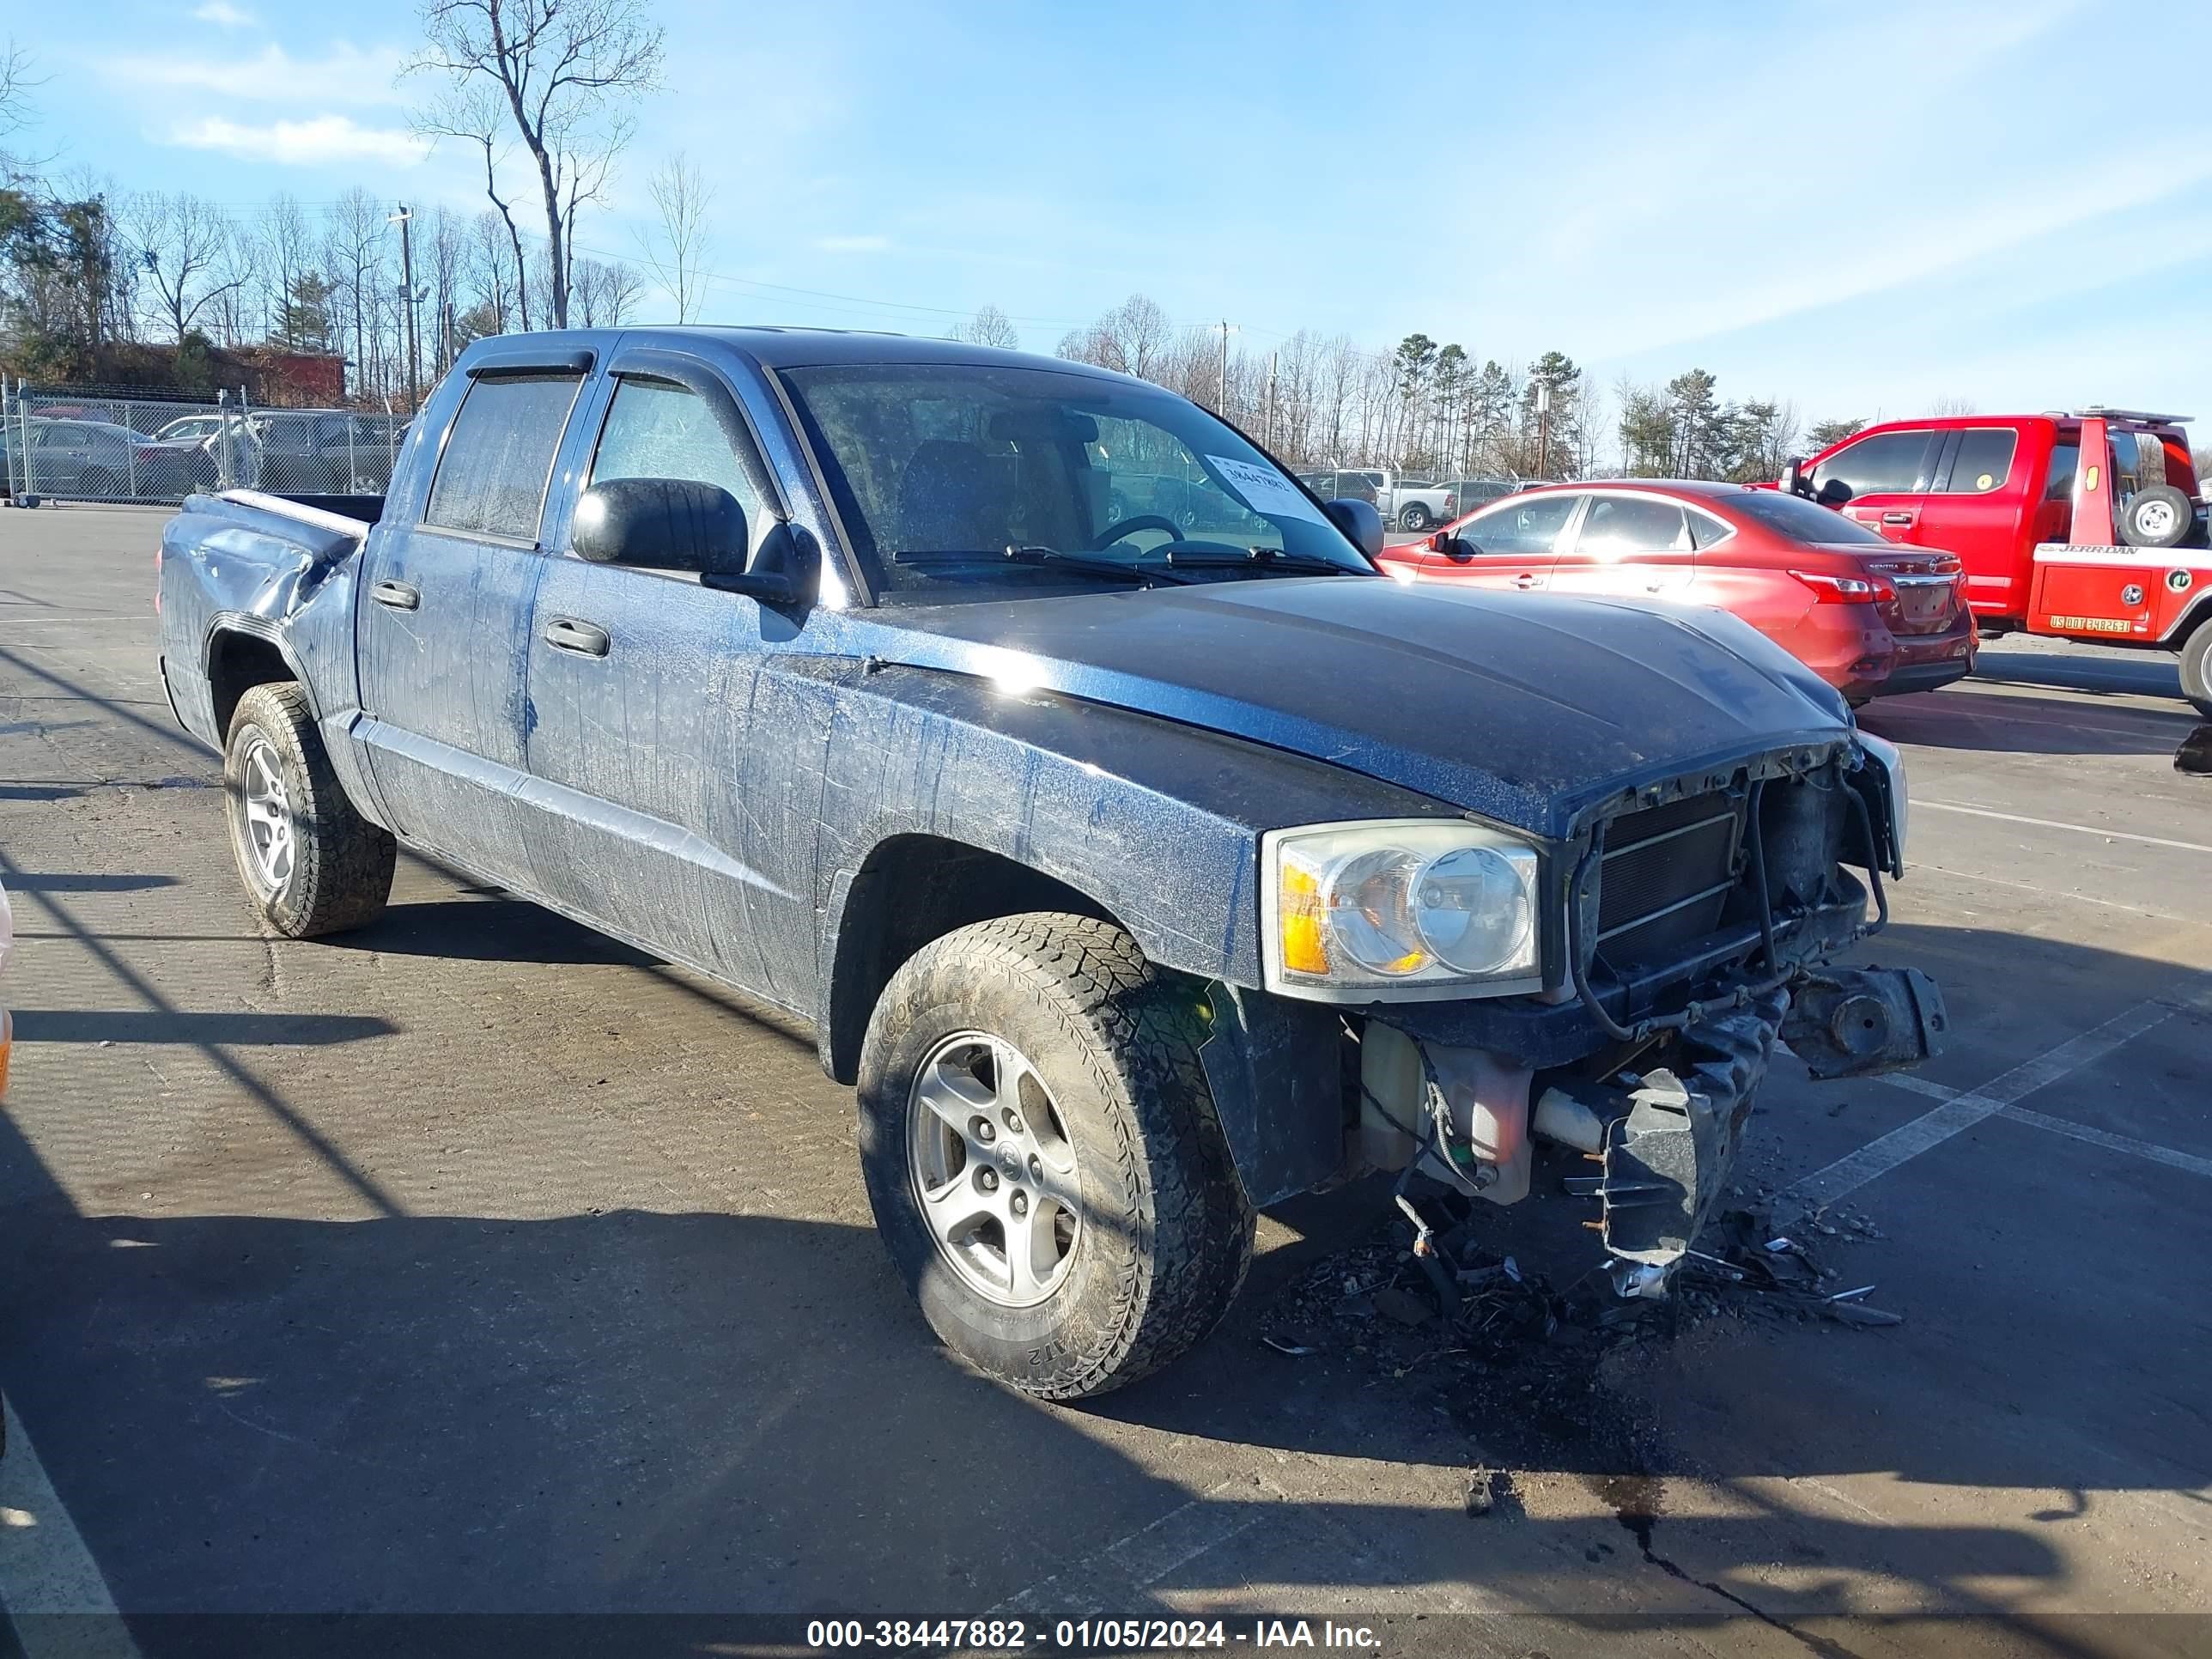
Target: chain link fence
{"points": [[60, 445]]}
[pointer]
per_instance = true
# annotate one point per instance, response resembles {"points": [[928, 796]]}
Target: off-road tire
{"points": [[1166, 1231], [2196, 667], [341, 864], [2173, 513], [1414, 518]]}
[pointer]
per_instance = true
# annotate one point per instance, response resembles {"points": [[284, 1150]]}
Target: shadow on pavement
{"points": [[488, 929], [1988, 722], [724, 1414]]}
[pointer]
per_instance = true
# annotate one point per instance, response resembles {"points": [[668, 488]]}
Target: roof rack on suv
{"points": [[2147, 419]]}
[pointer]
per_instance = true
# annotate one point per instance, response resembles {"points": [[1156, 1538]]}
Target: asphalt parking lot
{"points": [[477, 1264]]}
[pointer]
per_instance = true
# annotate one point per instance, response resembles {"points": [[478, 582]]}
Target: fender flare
{"points": [[2194, 615], [269, 633]]}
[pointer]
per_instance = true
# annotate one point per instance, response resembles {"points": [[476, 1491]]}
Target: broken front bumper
{"points": [[1666, 1134]]}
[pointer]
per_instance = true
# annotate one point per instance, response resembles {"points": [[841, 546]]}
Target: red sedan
{"points": [[1871, 618]]}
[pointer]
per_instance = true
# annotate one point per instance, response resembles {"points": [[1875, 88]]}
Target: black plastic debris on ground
{"points": [[1743, 1251], [1451, 1297], [2195, 755]]}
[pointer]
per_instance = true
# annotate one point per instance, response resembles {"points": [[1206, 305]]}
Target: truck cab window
{"points": [[1983, 460], [2064, 459], [491, 479], [657, 429], [1887, 464]]}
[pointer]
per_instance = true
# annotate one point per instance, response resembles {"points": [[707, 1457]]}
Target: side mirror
{"points": [[1834, 493], [1792, 477], [1457, 549], [1360, 523], [786, 573], [660, 524]]}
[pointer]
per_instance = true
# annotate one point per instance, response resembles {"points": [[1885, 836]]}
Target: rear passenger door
{"points": [[443, 627], [642, 699], [1627, 546], [1890, 475]]}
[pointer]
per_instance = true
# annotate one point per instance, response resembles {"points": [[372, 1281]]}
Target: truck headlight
{"points": [[1399, 908]]}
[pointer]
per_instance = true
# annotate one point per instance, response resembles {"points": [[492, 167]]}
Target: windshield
{"points": [[1798, 518], [937, 469]]}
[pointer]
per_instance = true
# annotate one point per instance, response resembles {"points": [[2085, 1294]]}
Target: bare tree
{"points": [[186, 247], [562, 68], [448, 259], [1949, 408], [16, 84], [286, 250], [353, 255], [678, 254], [494, 279], [604, 293], [475, 112], [988, 327]]}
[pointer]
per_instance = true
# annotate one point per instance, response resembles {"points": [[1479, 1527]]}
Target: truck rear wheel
{"points": [[311, 863], [2196, 667], [1044, 1158], [2158, 515]]}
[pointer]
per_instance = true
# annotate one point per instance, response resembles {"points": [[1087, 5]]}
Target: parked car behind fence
{"points": [[58, 445]]}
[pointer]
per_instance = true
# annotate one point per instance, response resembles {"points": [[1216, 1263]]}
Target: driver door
{"points": [[1889, 475], [645, 714], [1514, 544]]}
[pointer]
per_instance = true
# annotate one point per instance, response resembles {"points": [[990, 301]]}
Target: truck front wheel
{"points": [[1044, 1158], [311, 864], [2196, 668]]}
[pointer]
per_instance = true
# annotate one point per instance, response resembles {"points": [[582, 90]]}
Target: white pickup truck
{"points": [[1405, 503]]}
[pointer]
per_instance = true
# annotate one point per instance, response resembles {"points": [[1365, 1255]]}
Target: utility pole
{"points": [[1543, 430], [403, 219], [1221, 396], [1273, 357]]}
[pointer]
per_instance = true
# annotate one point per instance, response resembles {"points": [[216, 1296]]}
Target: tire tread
{"points": [[343, 864]]}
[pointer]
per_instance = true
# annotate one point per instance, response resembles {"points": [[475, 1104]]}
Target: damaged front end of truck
{"points": [[1685, 934]]}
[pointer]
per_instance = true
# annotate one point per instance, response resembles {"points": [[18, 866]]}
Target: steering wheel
{"points": [[1114, 533]]}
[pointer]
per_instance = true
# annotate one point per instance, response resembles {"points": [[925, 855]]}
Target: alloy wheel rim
{"points": [[994, 1171], [270, 839]]}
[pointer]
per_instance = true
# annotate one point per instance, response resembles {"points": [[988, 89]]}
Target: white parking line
{"points": [[2147, 1150], [2053, 823], [44, 1568], [1960, 1112]]}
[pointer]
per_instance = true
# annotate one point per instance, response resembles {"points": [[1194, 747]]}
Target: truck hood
{"points": [[1526, 709]]}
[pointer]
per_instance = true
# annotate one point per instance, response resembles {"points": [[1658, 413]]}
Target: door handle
{"points": [[584, 639], [1897, 518], [1525, 579], [398, 595]]}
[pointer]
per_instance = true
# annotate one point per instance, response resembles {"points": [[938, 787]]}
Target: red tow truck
{"points": [[2088, 526]]}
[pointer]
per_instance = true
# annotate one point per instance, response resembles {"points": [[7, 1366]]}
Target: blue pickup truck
{"points": [[1137, 876]]}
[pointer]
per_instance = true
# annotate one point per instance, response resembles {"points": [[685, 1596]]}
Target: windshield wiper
{"points": [[1054, 557], [1260, 558]]}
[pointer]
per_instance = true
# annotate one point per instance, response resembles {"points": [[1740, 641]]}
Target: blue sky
{"points": [[1862, 206]]}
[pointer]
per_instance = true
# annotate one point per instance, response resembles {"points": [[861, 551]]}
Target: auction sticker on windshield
{"points": [[1264, 489]]}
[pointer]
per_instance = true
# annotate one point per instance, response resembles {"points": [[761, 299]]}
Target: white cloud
{"points": [[301, 143], [223, 14], [345, 73], [852, 244]]}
